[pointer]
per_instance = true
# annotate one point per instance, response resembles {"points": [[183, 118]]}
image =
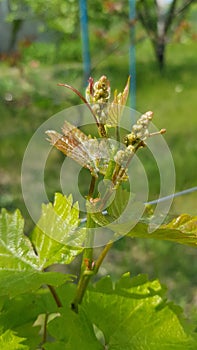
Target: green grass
{"points": [[172, 97], [35, 98]]}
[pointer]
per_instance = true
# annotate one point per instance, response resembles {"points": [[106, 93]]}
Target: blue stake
{"points": [[85, 39], [132, 68]]}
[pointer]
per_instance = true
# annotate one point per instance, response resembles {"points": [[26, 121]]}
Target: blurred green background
{"points": [[33, 64]]}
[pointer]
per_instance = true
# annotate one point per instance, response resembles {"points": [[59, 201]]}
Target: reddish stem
{"points": [[82, 98], [55, 296]]}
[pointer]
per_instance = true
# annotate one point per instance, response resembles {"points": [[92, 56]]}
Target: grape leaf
{"points": [[182, 229], [58, 345], [20, 268], [133, 314], [57, 238], [117, 105], [16, 251], [24, 309], [16, 282], [72, 331], [21, 312], [9, 341]]}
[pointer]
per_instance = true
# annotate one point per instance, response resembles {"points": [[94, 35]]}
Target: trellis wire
{"points": [[162, 199]]}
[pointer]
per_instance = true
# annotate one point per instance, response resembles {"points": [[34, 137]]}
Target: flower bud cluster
{"points": [[98, 95], [122, 157], [99, 91], [133, 141], [139, 130]]}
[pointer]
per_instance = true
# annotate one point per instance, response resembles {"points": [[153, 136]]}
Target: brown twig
{"points": [[55, 296], [77, 92]]}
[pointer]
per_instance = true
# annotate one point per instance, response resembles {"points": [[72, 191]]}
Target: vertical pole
{"points": [[132, 60], [85, 39]]}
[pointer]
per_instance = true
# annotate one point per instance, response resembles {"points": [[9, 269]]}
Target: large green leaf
{"points": [[133, 315], [20, 268], [24, 309], [182, 229], [9, 341], [18, 281], [20, 313], [16, 251], [72, 331], [56, 237]]}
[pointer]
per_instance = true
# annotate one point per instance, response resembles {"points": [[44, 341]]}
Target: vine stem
{"points": [[88, 267], [55, 296], [44, 338], [87, 254], [86, 277], [81, 288], [92, 186], [86, 274], [58, 303], [102, 256]]}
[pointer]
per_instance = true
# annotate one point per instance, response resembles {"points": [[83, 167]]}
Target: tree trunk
{"points": [[16, 26], [159, 47]]}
